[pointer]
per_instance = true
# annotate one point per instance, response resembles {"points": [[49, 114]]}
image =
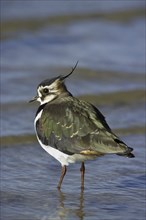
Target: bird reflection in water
{"points": [[71, 205]]}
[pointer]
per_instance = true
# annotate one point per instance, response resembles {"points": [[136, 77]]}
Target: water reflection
{"points": [[115, 190], [71, 204], [26, 193]]}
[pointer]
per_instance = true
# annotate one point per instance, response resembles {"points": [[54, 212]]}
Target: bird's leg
{"points": [[82, 169], [63, 172]]}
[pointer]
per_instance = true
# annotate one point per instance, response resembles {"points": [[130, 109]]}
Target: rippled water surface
{"points": [[40, 40]]}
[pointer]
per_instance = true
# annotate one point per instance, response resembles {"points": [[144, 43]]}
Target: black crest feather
{"points": [[64, 77]]}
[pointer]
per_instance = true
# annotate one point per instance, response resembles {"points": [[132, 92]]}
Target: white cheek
{"points": [[48, 98], [39, 100], [39, 93]]}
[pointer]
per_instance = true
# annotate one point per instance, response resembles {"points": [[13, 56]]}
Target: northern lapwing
{"points": [[72, 130]]}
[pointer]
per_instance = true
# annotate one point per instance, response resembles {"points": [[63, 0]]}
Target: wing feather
{"points": [[76, 126]]}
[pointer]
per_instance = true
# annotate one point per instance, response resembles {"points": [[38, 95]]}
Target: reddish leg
{"points": [[63, 172], [82, 169]]}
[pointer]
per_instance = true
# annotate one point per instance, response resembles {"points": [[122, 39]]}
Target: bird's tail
{"points": [[127, 153]]}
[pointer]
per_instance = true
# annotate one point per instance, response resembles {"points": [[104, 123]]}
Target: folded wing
{"points": [[78, 127]]}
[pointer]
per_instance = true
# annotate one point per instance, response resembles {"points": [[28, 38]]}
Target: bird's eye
{"points": [[46, 90]]}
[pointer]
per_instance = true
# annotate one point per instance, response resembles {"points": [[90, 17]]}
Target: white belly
{"points": [[63, 158], [58, 155]]}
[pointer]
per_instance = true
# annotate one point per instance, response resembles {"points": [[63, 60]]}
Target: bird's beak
{"points": [[34, 99]]}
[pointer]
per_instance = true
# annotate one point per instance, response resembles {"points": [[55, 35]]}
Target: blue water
{"points": [[113, 46], [114, 186], [111, 58]]}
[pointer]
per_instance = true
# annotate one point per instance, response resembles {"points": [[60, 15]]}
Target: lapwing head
{"points": [[51, 89]]}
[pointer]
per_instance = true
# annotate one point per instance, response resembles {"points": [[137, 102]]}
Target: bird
{"points": [[72, 130]]}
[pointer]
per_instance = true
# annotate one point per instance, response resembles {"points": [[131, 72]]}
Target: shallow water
{"points": [[114, 189], [110, 74]]}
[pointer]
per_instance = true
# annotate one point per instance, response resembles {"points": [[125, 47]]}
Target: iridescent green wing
{"points": [[77, 127], [66, 124]]}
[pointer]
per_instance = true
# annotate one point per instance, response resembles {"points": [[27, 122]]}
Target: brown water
{"points": [[110, 74]]}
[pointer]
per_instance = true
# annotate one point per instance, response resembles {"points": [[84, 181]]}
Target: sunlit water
{"points": [[114, 186]]}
